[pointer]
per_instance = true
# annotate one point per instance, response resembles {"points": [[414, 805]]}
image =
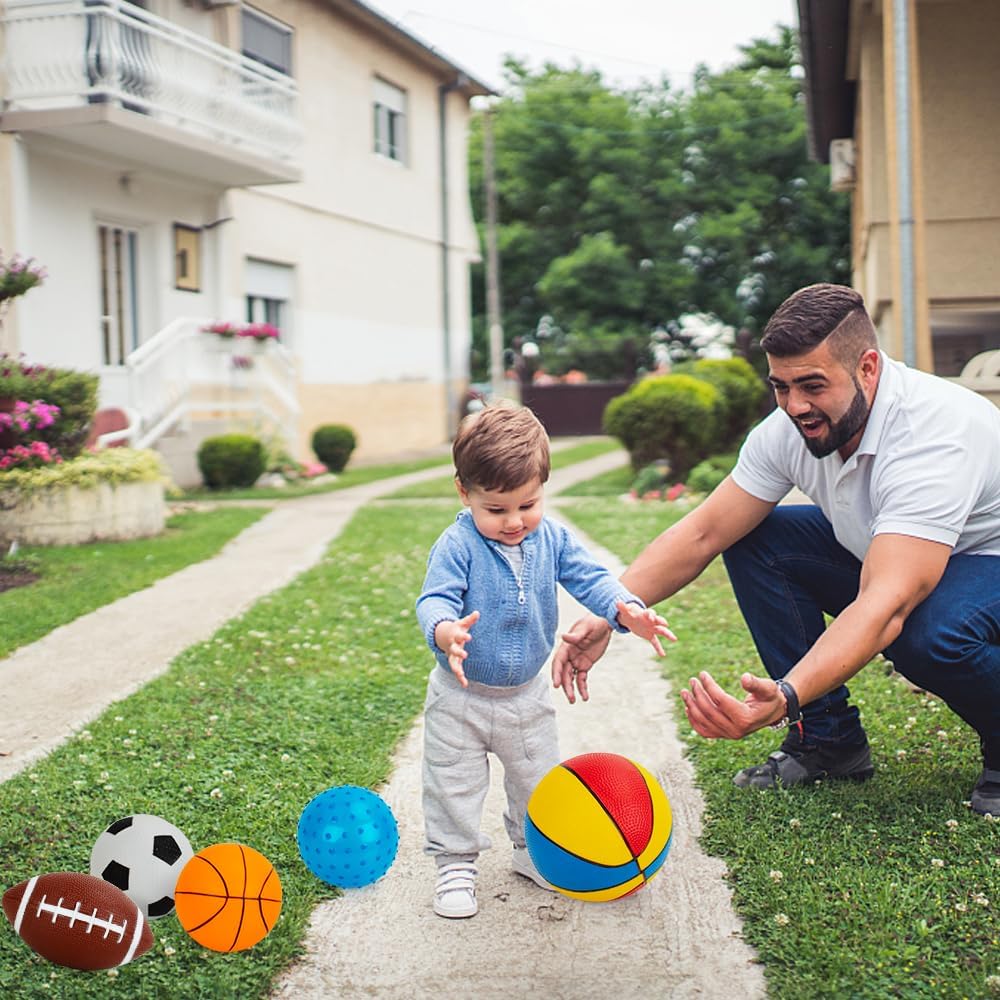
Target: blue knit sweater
{"points": [[518, 615]]}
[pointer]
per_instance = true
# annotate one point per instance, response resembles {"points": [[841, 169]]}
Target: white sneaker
{"points": [[523, 865], [455, 892]]}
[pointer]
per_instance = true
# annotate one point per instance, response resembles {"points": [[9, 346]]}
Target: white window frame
{"points": [[269, 289], [390, 121]]}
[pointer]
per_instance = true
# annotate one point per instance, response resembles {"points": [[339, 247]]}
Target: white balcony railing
{"points": [[74, 53]]}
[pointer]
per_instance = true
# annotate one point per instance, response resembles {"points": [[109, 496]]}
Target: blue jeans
{"points": [[790, 570]]}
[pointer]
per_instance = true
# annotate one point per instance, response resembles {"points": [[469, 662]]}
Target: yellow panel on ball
{"points": [[569, 815], [663, 820]]}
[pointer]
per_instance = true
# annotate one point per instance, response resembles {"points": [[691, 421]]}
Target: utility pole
{"points": [[497, 379]]}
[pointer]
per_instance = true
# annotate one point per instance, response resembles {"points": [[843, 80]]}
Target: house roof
{"points": [[421, 52], [823, 32]]}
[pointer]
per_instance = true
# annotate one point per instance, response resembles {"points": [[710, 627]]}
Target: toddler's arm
{"points": [[451, 637], [645, 623]]}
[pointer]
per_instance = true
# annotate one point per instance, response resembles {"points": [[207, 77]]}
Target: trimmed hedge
{"points": [[742, 391], [230, 460], [333, 444], [676, 417]]}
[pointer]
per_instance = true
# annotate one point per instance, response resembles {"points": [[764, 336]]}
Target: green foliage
{"points": [[112, 466], [655, 476], [666, 416], [75, 393], [706, 475], [742, 391], [333, 444], [621, 211], [231, 460]]}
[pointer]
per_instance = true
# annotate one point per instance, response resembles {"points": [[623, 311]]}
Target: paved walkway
{"points": [[678, 937]]}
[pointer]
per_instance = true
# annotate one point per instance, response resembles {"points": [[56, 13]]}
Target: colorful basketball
{"points": [[228, 897], [598, 826]]}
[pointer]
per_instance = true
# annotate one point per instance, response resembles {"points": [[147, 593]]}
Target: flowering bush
{"points": [[222, 329], [29, 416], [17, 275], [257, 331], [29, 456], [260, 331]]}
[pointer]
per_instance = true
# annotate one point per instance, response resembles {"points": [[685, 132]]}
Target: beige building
{"points": [[295, 162], [925, 191]]}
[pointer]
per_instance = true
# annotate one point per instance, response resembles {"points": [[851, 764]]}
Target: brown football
{"points": [[76, 920]]}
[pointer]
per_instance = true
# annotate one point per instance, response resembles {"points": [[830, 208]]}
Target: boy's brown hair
{"points": [[501, 448]]}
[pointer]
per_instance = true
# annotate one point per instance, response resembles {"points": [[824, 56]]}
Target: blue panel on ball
{"points": [[567, 871], [654, 866]]}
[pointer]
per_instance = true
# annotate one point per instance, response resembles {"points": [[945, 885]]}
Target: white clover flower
{"points": [[190, 756], [169, 951], [937, 863], [981, 899], [213, 718], [836, 815], [119, 718], [112, 973], [227, 773], [103, 776], [127, 742], [781, 919], [961, 907], [900, 755], [775, 876], [215, 793], [993, 983], [809, 861], [285, 758], [290, 661], [952, 824], [795, 823], [942, 734]]}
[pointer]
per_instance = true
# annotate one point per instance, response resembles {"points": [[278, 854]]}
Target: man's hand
{"points": [[715, 714], [645, 623], [582, 646], [451, 637]]}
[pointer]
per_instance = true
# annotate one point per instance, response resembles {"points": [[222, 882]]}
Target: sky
{"points": [[628, 40]]}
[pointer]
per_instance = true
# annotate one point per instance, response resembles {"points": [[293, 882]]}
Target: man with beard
{"points": [[901, 546]]}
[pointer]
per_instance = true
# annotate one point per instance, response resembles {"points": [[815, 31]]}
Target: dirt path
{"points": [[676, 938]]}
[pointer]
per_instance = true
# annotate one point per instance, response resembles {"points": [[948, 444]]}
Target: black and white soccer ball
{"points": [[143, 856]]}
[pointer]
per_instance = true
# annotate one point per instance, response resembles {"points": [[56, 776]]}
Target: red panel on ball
{"points": [[622, 790]]}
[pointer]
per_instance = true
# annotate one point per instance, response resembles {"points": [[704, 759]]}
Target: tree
{"points": [[622, 211]]}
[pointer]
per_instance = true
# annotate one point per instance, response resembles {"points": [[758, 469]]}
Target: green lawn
{"points": [[75, 580], [887, 889]]}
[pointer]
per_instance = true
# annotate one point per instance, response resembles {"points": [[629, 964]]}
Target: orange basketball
{"points": [[228, 897]]}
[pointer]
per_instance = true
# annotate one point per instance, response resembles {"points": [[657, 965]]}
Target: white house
{"points": [[300, 162]]}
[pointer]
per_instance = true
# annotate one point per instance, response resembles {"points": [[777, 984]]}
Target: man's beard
{"points": [[843, 430]]}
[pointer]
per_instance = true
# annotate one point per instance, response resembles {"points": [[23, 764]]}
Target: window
{"points": [[269, 290], [118, 251], [267, 41], [390, 121]]}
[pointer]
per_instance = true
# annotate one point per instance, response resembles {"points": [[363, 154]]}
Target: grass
{"points": [[562, 457], [840, 886], [75, 580], [887, 889], [311, 688]]}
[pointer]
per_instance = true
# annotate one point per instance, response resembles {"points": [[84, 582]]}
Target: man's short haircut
{"points": [[501, 448], [817, 312]]}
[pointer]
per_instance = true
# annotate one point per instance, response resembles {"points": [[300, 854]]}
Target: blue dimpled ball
{"points": [[348, 836]]}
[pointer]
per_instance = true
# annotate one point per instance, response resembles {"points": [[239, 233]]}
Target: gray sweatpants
{"points": [[463, 725]]}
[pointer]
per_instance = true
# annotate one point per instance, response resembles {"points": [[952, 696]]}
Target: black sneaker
{"points": [[798, 763], [986, 794]]}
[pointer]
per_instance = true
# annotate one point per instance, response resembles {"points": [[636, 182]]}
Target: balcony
{"points": [[134, 87]]}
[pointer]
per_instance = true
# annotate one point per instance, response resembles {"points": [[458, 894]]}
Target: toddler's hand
{"points": [[452, 637], [645, 623]]}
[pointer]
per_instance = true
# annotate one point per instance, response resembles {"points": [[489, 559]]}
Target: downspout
{"points": [[904, 179], [449, 390]]}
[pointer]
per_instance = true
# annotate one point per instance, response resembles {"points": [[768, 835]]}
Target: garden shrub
{"points": [[706, 475], [666, 416], [75, 393], [333, 444], [231, 460], [742, 392]]}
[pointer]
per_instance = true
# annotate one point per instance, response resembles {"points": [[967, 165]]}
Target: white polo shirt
{"points": [[928, 465]]}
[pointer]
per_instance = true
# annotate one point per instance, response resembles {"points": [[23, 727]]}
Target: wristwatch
{"points": [[792, 713]]}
